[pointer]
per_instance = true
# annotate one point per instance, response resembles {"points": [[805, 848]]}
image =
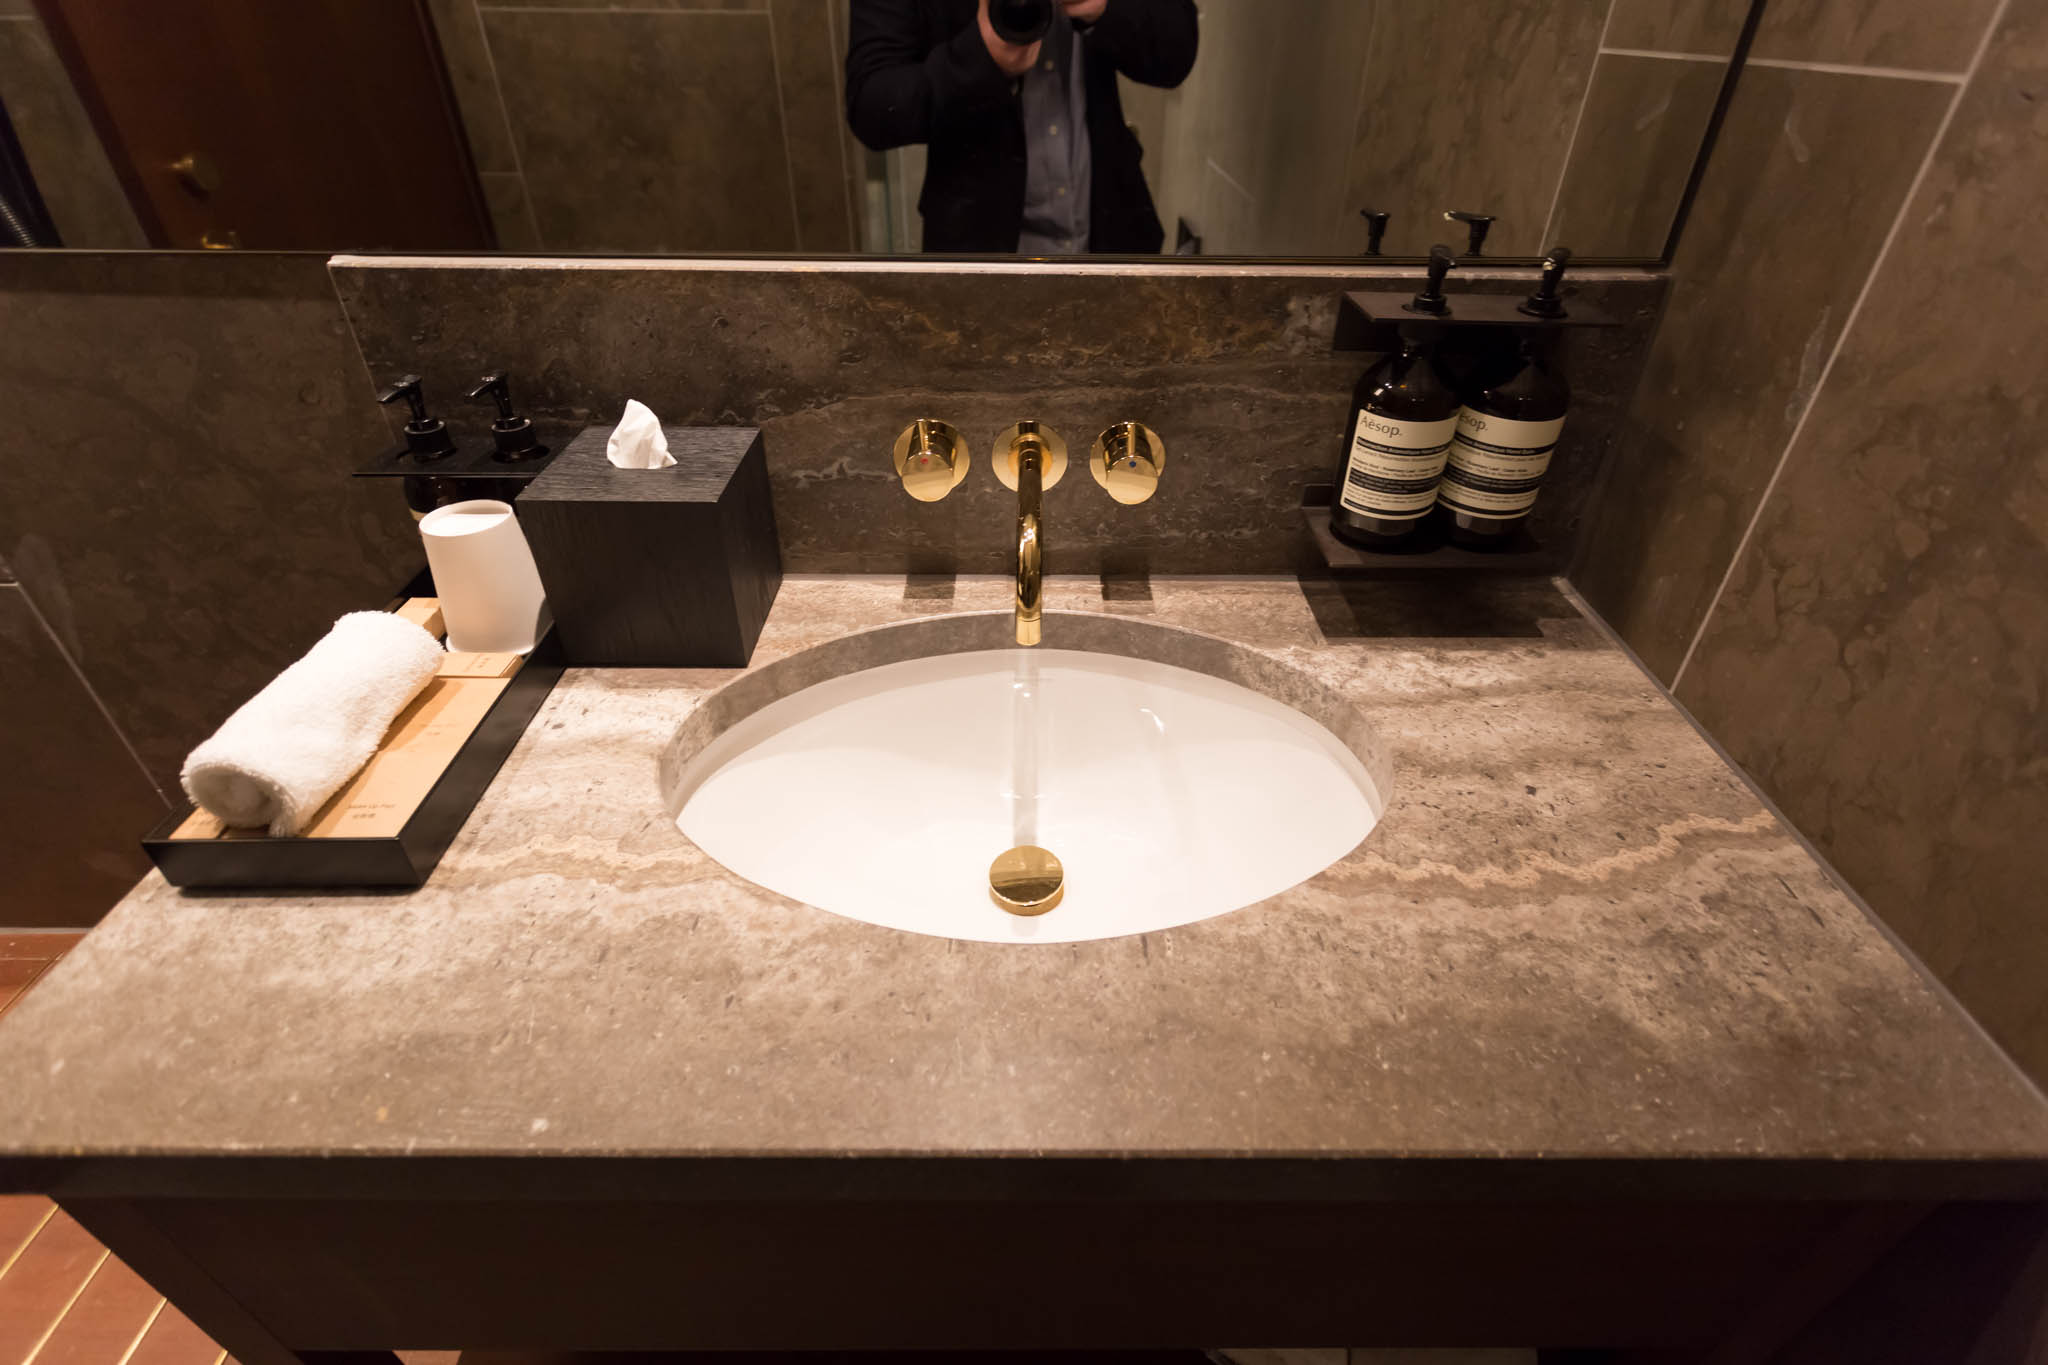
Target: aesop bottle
{"points": [[1506, 432], [1403, 414]]}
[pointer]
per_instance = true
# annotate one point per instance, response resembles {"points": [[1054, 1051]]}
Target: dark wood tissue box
{"points": [[657, 568]]}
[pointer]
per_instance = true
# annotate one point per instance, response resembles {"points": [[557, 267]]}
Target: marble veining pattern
{"points": [[1880, 656], [1234, 369], [1809, 172], [1574, 932]]}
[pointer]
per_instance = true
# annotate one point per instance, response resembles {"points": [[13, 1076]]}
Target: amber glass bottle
{"points": [[1403, 415], [1507, 430]]}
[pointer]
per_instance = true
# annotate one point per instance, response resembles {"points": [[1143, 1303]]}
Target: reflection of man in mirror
{"points": [[1028, 150]]}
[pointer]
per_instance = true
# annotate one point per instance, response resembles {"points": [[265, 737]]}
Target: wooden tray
{"points": [[389, 826]]}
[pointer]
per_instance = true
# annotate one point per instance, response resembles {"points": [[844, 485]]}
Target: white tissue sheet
{"points": [[638, 441], [292, 745]]}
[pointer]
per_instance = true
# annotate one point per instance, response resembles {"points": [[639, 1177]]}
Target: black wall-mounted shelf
{"points": [[1429, 553], [1366, 319], [478, 461]]}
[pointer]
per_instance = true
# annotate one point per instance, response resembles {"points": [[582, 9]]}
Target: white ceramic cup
{"points": [[491, 597]]}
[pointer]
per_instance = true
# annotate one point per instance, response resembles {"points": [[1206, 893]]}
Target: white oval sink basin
{"points": [[1168, 795]]}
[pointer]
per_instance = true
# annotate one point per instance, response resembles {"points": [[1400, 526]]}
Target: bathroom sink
{"points": [[881, 787]]}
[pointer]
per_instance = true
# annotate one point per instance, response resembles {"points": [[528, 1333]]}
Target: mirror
{"points": [[1240, 128]]}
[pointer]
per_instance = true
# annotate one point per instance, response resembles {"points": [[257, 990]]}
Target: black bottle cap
{"points": [[426, 437], [511, 434], [1375, 229], [1431, 300], [1545, 303], [1476, 226]]}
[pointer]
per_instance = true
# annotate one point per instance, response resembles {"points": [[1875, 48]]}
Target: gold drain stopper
{"points": [[1027, 880]]}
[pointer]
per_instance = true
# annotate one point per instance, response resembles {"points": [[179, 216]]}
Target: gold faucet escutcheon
{"points": [[931, 458]]}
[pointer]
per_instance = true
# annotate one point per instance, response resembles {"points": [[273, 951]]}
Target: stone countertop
{"points": [[1575, 933]]}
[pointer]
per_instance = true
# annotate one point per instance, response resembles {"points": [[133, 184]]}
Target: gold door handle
{"points": [[197, 173]]}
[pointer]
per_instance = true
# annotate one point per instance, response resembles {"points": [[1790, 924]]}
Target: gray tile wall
{"points": [[1573, 122], [1424, 143], [1829, 530], [76, 799], [1795, 206], [73, 175], [1233, 368], [176, 506], [656, 127]]}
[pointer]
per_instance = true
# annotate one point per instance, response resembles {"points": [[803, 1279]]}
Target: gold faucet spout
{"points": [[1030, 546], [1030, 457]]}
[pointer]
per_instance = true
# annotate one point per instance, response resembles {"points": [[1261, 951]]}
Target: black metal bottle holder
{"points": [[1471, 329]]}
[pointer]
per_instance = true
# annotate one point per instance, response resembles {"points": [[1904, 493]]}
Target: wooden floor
{"points": [[63, 1299]]}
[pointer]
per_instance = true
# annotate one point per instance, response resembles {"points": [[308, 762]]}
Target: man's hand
{"points": [[1086, 11], [1015, 60]]}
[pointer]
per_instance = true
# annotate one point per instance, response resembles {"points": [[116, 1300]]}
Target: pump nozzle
{"points": [[511, 434], [426, 437], [1476, 227], [408, 388], [1431, 299], [1375, 229], [1545, 303], [499, 391]]}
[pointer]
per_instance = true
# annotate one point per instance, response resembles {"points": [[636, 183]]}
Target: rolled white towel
{"points": [[291, 746]]}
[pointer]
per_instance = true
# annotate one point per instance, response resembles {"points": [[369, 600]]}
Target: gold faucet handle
{"points": [[1015, 440], [1127, 461], [931, 459]]}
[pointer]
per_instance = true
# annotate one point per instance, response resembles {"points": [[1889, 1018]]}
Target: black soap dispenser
{"points": [[427, 444], [512, 437], [1404, 413], [1507, 429]]}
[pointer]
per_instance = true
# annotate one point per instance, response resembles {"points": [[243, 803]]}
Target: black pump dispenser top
{"points": [[1375, 229], [1431, 300], [498, 391], [1476, 227], [426, 437], [511, 434], [1544, 303]]}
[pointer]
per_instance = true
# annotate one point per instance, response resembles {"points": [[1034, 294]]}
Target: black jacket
{"points": [[918, 71]]}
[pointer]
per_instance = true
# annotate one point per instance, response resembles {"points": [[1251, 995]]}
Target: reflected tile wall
{"points": [[647, 132], [477, 97], [1424, 145], [1634, 153], [1702, 26], [1234, 370], [1880, 657], [809, 68], [73, 175], [1809, 172], [656, 127], [1899, 33]]}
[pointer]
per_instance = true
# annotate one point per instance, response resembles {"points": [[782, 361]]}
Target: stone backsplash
{"points": [[1231, 364]]}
